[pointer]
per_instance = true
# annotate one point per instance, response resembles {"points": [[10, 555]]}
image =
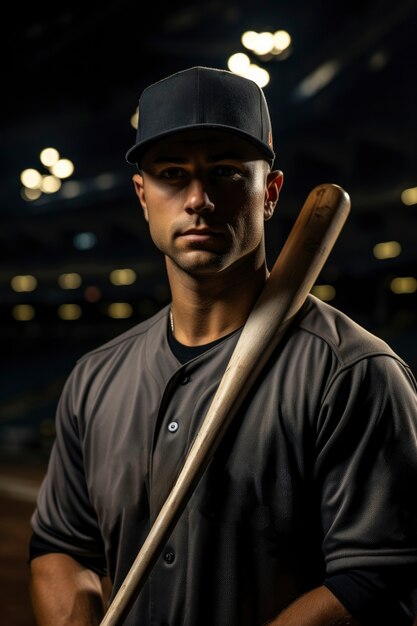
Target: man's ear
{"points": [[140, 192], [274, 182]]}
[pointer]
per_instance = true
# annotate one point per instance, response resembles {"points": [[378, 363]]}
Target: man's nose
{"points": [[197, 199]]}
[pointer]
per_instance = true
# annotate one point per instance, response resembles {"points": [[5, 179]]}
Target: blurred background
{"points": [[77, 266]]}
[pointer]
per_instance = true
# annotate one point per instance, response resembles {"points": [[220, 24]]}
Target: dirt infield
{"points": [[18, 487]]}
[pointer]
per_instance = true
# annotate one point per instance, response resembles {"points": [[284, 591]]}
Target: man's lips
{"points": [[199, 234]]}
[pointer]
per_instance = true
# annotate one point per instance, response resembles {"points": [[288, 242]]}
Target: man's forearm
{"points": [[64, 593], [318, 607]]}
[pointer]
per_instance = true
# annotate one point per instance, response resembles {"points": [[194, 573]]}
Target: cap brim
{"points": [[136, 152]]}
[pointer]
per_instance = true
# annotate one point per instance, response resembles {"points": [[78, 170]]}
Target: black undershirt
{"points": [[186, 353]]}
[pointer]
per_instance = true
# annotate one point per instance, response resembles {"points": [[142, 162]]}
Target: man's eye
{"points": [[173, 173], [226, 171]]}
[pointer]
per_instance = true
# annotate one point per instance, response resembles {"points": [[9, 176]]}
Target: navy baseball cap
{"points": [[201, 98]]}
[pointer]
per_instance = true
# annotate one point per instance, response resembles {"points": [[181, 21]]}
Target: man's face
{"points": [[205, 195]]}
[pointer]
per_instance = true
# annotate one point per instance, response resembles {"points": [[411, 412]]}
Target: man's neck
{"points": [[209, 307]]}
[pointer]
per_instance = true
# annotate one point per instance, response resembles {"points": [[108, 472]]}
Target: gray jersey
{"points": [[315, 475]]}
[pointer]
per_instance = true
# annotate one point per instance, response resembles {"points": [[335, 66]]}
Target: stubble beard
{"points": [[199, 262]]}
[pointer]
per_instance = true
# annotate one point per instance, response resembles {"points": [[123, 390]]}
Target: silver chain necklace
{"points": [[171, 321]]}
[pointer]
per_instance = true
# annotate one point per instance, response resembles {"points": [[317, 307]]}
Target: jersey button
{"points": [[173, 427], [169, 557]]}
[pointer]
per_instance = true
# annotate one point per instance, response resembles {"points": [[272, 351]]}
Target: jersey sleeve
{"points": [[366, 465], [377, 596], [39, 547], [64, 517]]}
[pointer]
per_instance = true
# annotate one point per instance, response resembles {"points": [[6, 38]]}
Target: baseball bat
{"points": [[297, 267]]}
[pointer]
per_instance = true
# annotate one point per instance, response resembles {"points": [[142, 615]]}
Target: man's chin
{"points": [[201, 263]]}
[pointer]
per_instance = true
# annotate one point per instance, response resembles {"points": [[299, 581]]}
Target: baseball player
{"points": [[306, 515]]}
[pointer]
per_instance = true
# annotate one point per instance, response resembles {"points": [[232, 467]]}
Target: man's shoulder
{"points": [[347, 339], [125, 340]]}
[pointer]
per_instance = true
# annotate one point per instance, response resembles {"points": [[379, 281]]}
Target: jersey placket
{"points": [[184, 404], [170, 448]]}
